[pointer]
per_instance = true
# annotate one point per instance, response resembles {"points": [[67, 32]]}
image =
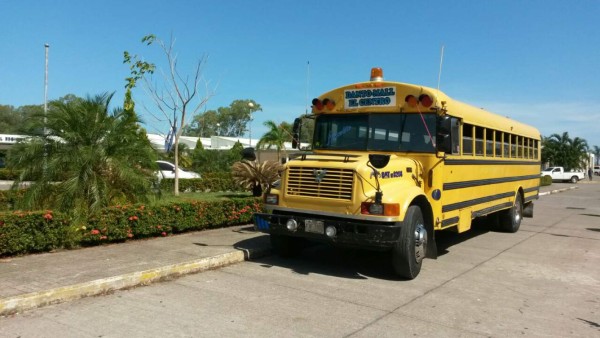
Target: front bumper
{"points": [[349, 232]]}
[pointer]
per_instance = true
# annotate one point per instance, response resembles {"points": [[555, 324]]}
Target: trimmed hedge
{"points": [[218, 181], [8, 175], [546, 180], [27, 232]]}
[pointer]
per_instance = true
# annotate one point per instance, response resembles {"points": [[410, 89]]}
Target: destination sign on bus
{"points": [[373, 97]]}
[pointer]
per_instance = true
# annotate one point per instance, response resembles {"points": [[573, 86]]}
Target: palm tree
{"points": [[87, 158], [256, 176], [276, 136], [564, 151], [597, 153]]}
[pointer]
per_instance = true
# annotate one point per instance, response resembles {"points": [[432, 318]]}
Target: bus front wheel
{"points": [[510, 220], [410, 249]]}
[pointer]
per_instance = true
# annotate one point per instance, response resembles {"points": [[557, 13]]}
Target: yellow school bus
{"points": [[392, 163]]}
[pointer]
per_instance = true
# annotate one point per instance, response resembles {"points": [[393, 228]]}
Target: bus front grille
{"points": [[320, 182]]}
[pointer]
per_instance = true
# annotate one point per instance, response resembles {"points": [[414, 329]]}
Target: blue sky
{"points": [[535, 61]]}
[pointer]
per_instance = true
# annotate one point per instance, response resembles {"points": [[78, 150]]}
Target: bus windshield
{"points": [[375, 132]]}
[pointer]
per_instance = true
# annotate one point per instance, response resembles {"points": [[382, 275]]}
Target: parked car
{"points": [[597, 170], [167, 170], [560, 174]]}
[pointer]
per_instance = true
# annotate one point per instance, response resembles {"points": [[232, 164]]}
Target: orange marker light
{"points": [[411, 100], [317, 104], [426, 100], [330, 104], [376, 74]]}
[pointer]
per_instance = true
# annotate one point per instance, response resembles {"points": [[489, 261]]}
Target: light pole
{"points": [[45, 164], [46, 47], [250, 105]]}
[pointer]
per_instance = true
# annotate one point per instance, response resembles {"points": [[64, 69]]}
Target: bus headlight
{"points": [[330, 231], [291, 224]]}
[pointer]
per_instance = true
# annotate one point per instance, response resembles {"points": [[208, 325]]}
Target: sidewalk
{"points": [[36, 280]]}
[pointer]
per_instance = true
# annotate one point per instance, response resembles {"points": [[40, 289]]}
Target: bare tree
{"points": [[176, 95]]}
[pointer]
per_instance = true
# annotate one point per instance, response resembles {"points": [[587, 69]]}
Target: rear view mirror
{"points": [[296, 133], [443, 138]]}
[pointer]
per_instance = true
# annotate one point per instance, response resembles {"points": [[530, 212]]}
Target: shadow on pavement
{"points": [[355, 263]]}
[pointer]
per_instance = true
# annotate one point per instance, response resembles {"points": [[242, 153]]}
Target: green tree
{"points": [[563, 151], [276, 136], [89, 158], [232, 121], [596, 152], [211, 160]]}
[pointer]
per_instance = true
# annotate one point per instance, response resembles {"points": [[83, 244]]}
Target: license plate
{"points": [[313, 226]]}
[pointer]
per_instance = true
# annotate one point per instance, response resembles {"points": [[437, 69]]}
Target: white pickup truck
{"points": [[559, 174]]}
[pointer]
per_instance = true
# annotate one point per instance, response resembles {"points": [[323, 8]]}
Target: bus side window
{"points": [[479, 141], [467, 139]]}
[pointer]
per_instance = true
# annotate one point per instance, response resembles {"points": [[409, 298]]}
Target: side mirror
{"points": [[248, 154], [296, 133], [443, 137]]}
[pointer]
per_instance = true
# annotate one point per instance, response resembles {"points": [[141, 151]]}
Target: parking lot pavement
{"points": [[36, 280]]}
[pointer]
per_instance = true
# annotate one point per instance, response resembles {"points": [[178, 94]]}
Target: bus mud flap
{"points": [[528, 210]]}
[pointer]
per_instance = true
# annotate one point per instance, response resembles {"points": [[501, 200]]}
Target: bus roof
{"points": [[388, 97]]}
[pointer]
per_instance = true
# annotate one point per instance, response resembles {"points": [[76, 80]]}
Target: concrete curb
{"points": [[32, 300], [556, 191]]}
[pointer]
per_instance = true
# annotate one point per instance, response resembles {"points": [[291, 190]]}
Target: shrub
{"points": [[209, 182], [25, 232], [545, 180]]}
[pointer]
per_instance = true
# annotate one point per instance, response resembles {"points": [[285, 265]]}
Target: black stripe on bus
{"points": [[450, 221], [487, 162], [531, 189], [490, 210], [476, 201], [531, 198], [476, 183]]}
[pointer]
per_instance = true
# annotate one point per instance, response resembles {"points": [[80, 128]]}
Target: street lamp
{"points": [[250, 105]]}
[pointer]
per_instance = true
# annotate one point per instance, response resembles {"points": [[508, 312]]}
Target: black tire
{"points": [[286, 246], [574, 179], [510, 220], [410, 250]]}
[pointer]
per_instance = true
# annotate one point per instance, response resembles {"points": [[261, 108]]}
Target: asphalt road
{"points": [[541, 281]]}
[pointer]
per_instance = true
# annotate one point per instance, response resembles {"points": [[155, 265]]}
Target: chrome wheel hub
{"points": [[420, 242]]}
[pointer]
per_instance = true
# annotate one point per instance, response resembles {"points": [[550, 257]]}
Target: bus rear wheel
{"points": [[410, 249], [510, 220]]}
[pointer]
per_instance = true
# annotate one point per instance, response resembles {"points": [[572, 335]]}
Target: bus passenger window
{"points": [[498, 143], [489, 142], [467, 139], [513, 146], [479, 141], [505, 152]]}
